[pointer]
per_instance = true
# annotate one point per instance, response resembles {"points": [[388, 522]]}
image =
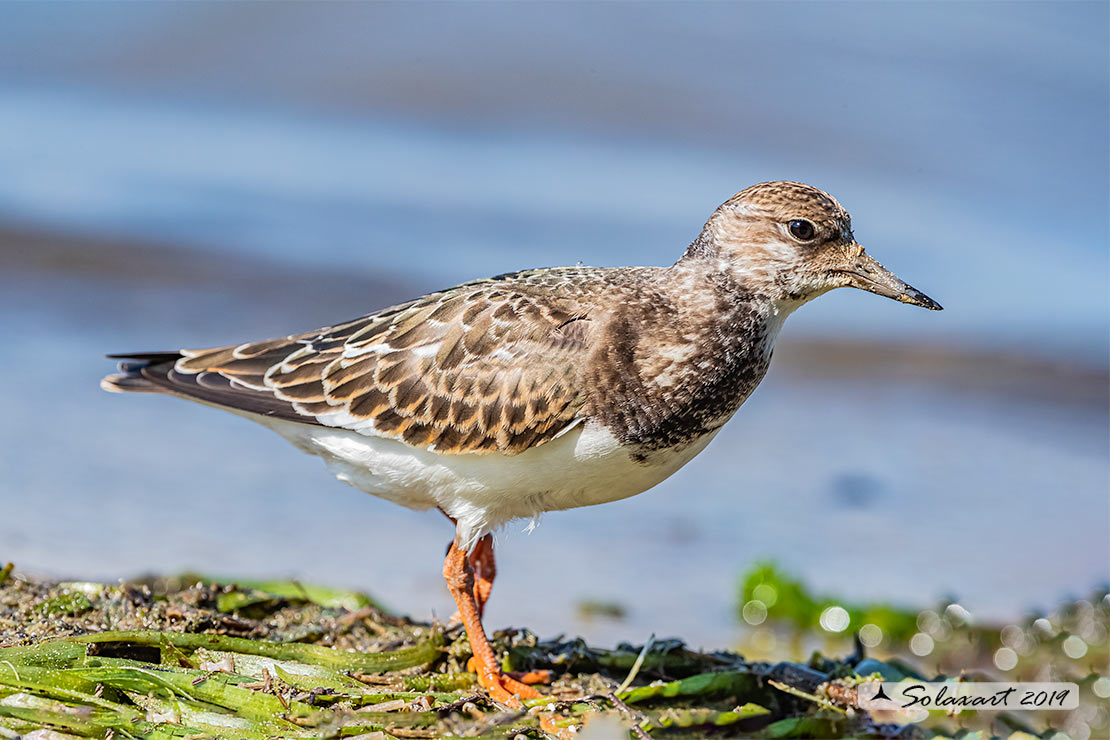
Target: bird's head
{"points": [[794, 242]]}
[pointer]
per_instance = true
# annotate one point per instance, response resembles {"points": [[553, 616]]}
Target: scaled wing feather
{"points": [[488, 366]]}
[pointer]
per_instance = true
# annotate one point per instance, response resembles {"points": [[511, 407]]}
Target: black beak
{"points": [[867, 274]]}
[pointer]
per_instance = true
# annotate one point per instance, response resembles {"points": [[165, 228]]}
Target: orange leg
{"points": [[485, 570], [459, 574]]}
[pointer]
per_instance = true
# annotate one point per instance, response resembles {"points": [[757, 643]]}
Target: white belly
{"points": [[583, 467]]}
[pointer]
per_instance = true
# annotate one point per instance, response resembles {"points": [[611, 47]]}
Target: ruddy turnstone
{"points": [[538, 390]]}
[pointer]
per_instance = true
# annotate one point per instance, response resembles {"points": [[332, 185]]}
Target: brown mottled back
{"points": [[659, 356], [443, 372]]}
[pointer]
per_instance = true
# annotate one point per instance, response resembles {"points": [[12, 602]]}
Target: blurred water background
{"points": [[195, 174]]}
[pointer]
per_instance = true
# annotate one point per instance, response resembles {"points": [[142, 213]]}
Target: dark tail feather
{"points": [[130, 378], [153, 372]]}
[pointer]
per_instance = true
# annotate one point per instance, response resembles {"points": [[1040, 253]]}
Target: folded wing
{"points": [[489, 366]]}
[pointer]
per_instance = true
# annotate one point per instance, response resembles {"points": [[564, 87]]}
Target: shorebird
{"points": [[538, 390]]}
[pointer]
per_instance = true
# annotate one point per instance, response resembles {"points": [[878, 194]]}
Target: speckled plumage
{"points": [[654, 359], [445, 372], [539, 390]]}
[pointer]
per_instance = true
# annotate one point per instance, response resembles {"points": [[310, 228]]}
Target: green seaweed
{"points": [[786, 599], [70, 604], [731, 683], [164, 683], [394, 660], [292, 590]]}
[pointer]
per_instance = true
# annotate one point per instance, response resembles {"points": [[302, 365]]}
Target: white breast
{"points": [[582, 467]]}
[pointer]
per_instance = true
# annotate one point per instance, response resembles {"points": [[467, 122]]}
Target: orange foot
{"points": [[531, 677], [501, 686], [458, 570]]}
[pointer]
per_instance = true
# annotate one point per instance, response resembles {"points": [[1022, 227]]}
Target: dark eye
{"points": [[802, 229]]}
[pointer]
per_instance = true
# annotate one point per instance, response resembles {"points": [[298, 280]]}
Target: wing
{"points": [[488, 366]]}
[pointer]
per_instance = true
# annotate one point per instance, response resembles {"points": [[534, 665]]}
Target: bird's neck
{"points": [[739, 313], [676, 364]]}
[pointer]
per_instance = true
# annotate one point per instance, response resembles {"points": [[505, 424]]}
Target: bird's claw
{"points": [[530, 677], [501, 686]]}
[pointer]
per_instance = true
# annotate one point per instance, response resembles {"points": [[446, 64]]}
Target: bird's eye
{"points": [[802, 229]]}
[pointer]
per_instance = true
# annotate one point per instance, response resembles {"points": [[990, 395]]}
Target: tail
{"points": [[136, 371], [154, 372]]}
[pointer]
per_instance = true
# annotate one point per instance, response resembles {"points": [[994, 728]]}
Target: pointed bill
{"points": [[867, 274]]}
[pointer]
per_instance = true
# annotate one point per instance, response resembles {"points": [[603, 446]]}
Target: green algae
{"points": [[155, 660]]}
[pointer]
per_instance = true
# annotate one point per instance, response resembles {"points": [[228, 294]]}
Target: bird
{"points": [[538, 390]]}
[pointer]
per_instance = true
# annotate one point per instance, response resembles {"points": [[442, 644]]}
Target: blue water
{"points": [[425, 144], [969, 143]]}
